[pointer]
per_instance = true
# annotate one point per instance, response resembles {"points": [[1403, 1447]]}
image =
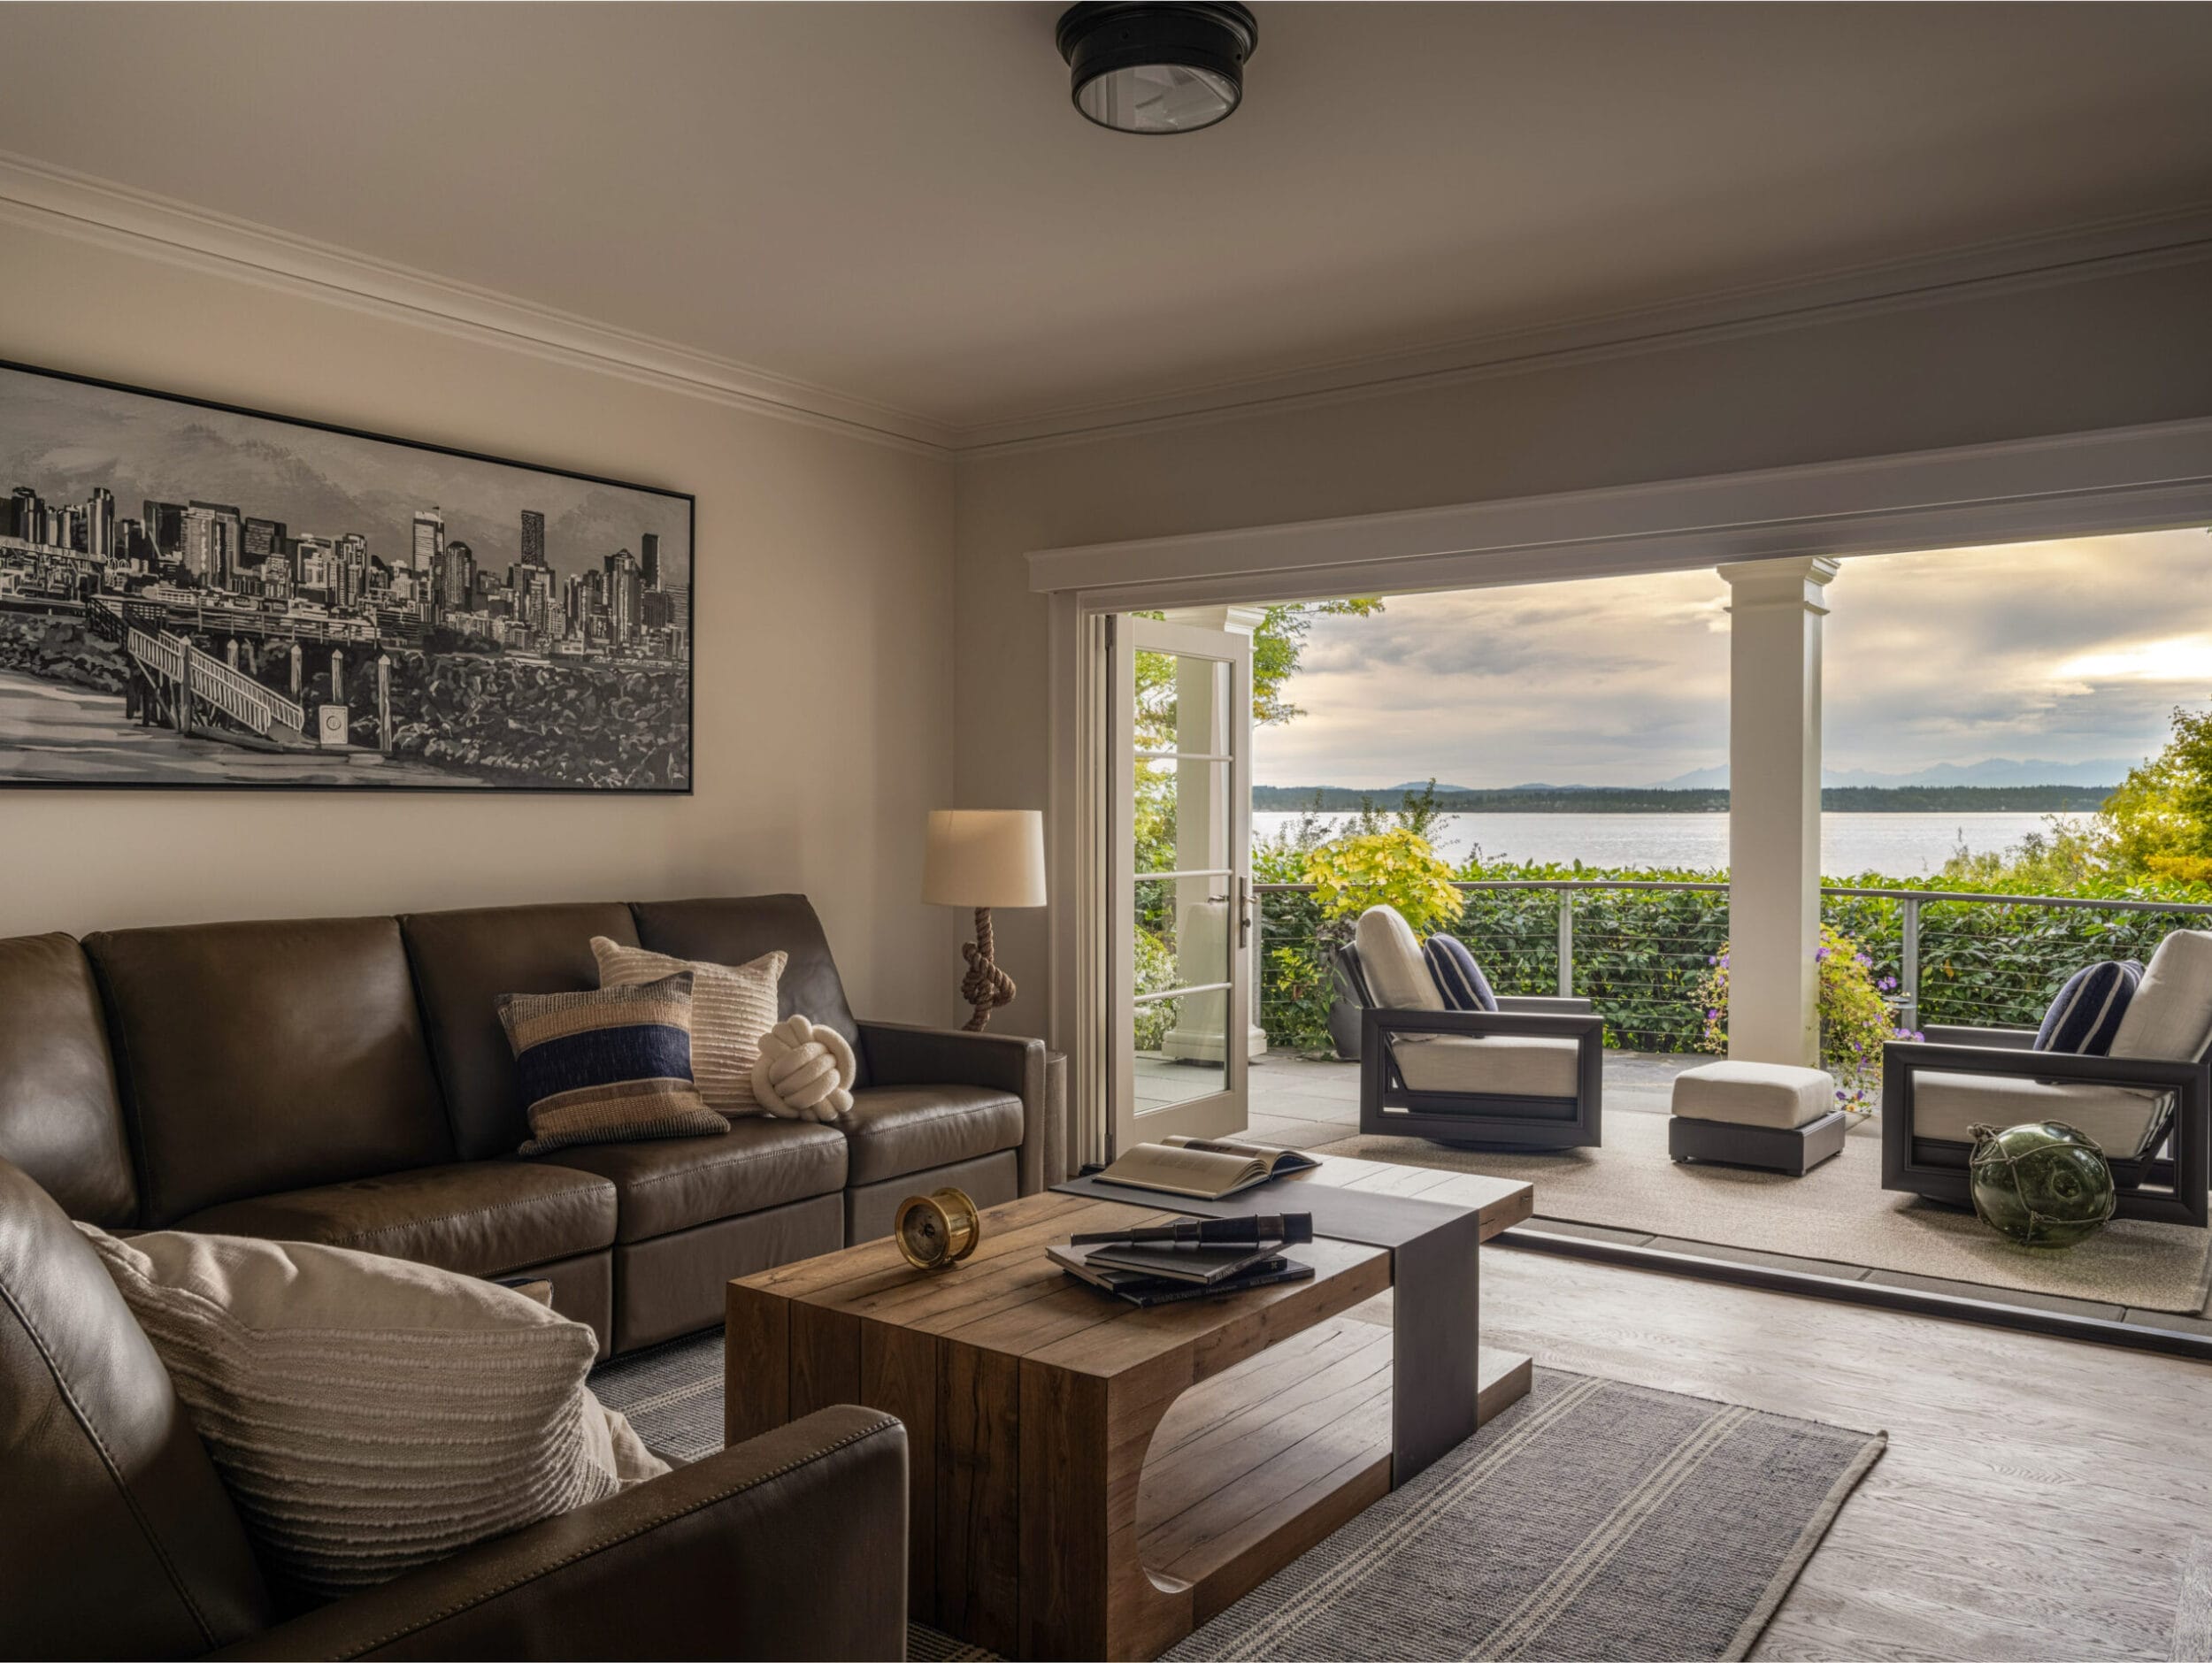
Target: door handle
{"points": [[1244, 912]]}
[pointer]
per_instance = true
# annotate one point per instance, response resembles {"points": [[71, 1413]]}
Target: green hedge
{"points": [[1639, 953]]}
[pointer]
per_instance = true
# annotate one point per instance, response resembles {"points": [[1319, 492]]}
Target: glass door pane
{"points": [[1182, 882]]}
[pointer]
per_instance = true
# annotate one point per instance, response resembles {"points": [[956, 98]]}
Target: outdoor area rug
{"points": [[1592, 1519], [1838, 1212]]}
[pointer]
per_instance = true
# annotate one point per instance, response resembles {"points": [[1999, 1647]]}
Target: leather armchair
{"points": [[792, 1545], [118, 1538]]}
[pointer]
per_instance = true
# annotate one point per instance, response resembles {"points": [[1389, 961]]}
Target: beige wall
{"points": [[2011, 363], [823, 649], [834, 658]]}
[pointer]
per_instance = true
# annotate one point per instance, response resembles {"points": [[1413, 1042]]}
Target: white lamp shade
{"points": [[984, 857]]}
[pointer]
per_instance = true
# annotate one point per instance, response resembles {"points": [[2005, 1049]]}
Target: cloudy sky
{"points": [[2062, 651]]}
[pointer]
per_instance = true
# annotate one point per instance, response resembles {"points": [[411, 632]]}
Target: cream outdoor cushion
{"points": [[2170, 1015], [1773, 1094], [1499, 1064], [1390, 955], [368, 1414], [731, 1007], [2117, 1119]]}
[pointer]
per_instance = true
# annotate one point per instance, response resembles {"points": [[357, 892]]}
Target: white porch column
{"points": [[1774, 807], [1202, 823]]}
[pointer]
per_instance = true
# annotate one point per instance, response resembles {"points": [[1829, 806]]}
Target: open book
{"points": [[1206, 1168]]}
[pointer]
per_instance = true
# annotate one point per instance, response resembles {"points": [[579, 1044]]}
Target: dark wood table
{"points": [[1091, 1480]]}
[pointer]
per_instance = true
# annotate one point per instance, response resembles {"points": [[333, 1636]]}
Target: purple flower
{"points": [[1821, 954]]}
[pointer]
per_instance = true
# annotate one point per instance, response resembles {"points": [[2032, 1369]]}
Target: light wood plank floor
{"points": [[2039, 1498]]}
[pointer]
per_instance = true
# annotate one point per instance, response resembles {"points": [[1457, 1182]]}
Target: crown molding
{"points": [[2081, 253], [138, 222], [148, 225]]}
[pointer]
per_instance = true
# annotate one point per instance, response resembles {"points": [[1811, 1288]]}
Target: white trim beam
{"points": [[2124, 479]]}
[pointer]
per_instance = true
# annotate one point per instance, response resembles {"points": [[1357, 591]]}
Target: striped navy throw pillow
{"points": [[2087, 1011], [609, 1067], [1459, 979]]}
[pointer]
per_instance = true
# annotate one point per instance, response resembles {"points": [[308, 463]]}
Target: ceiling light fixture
{"points": [[1141, 67]]}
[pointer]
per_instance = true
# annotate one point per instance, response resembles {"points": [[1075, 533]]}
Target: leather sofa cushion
{"points": [[267, 1056], [60, 1118], [895, 1130], [483, 1218], [737, 931], [118, 1538], [680, 1283], [674, 1183], [464, 961]]}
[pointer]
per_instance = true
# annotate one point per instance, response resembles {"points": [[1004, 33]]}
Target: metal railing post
{"points": [[1909, 964], [1566, 944]]}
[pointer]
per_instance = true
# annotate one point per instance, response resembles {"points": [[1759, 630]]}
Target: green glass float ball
{"points": [[2044, 1184]]}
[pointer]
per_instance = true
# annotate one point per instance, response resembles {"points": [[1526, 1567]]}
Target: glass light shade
{"points": [[1157, 98], [984, 857]]}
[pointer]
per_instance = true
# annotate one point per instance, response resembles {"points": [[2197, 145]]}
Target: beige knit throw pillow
{"points": [[368, 1414], [731, 1007]]}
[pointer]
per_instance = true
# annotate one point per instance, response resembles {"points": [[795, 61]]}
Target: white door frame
{"points": [[2116, 479], [1215, 1113]]}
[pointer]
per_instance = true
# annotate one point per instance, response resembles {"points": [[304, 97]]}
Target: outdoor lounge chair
{"points": [[1528, 1076], [2150, 1114]]}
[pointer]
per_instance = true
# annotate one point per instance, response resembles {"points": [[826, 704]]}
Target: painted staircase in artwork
{"points": [[193, 691]]}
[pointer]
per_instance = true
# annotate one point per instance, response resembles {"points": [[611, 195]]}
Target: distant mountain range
{"points": [[1995, 770], [2038, 798]]}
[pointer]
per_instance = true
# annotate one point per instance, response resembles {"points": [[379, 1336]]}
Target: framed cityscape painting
{"points": [[196, 595]]}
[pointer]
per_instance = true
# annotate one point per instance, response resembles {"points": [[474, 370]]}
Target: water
{"points": [[1895, 845]]}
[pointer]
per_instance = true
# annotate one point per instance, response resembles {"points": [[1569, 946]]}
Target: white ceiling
{"points": [[898, 204]]}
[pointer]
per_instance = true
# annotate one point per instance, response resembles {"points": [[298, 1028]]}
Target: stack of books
{"points": [[1160, 1272]]}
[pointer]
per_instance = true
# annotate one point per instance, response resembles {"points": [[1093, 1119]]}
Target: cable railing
{"points": [[1640, 948]]}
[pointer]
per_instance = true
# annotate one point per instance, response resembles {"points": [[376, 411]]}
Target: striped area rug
{"points": [[1590, 1520]]}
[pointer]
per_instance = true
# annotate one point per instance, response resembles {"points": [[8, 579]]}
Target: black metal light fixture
{"points": [[1145, 67]]}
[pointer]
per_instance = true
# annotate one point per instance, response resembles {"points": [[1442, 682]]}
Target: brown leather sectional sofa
{"points": [[346, 1080]]}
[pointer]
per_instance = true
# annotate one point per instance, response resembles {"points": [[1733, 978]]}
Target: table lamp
{"points": [[985, 858]]}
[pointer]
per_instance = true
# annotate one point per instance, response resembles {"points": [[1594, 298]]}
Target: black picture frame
{"points": [[379, 779]]}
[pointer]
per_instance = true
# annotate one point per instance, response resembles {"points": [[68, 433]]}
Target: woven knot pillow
{"points": [[370, 1416], [609, 1067], [805, 1071], [731, 1007]]}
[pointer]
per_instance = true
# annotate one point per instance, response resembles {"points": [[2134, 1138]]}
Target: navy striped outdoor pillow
{"points": [[2087, 1011], [1458, 978]]}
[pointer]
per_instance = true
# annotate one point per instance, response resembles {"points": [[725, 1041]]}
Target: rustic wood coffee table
{"points": [[1090, 1480]]}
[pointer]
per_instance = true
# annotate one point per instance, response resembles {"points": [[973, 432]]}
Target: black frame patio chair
{"points": [[1388, 1106], [2165, 1179]]}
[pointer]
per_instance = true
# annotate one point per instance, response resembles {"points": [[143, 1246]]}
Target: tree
{"points": [[2159, 820], [1278, 645]]}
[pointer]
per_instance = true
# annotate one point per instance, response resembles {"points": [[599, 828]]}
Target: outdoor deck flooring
{"points": [[1305, 1103]]}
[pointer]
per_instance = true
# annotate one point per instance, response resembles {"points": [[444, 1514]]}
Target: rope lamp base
{"points": [[986, 986]]}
